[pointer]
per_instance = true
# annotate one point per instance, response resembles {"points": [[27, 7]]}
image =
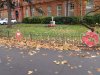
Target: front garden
{"points": [[60, 37], [65, 35]]}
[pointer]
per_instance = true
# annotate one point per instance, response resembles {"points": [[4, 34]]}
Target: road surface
{"points": [[23, 61]]}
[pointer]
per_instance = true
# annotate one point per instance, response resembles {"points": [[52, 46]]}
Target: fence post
{"points": [[8, 34], [31, 36]]}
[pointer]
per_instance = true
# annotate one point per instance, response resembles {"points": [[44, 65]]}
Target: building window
{"points": [[71, 6], [27, 14], [49, 10], [59, 10], [33, 11], [89, 6], [90, 2], [40, 11]]}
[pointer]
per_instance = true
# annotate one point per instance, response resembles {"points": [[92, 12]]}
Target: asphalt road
{"points": [[19, 61]]}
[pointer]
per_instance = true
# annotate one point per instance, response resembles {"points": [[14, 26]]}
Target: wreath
{"points": [[90, 39]]}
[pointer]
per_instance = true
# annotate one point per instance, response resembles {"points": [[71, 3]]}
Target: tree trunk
{"points": [[0, 14], [9, 14]]}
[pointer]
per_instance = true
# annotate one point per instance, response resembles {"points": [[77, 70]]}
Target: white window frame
{"points": [[49, 9], [26, 12], [33, 11], [59, 10], [40, 14], [71, 7], [89, 6]]}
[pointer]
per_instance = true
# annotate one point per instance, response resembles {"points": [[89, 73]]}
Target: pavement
{"points": [[24, 61]]}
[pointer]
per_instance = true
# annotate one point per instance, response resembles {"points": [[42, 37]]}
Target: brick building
{"points": [[51, 8]]}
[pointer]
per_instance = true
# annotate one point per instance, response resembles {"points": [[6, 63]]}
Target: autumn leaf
{"points": [[30, 72], [98, 69]]}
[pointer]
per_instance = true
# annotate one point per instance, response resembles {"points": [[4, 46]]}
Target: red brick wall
{"points": [[97, 3], [45, 3]]}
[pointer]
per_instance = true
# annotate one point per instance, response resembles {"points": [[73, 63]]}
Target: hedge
{"points": [[46, 20], [97, 18], [90, 20], [26, 20]]}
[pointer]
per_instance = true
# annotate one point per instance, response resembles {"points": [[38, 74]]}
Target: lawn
{"points": [[37, 30]]}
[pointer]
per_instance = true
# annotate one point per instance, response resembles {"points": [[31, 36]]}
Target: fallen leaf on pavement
{"points": [[32, 53], [56, 72], [93, 56], [35, 70], [79, 66], [90, 73], [56, 62], [44, 54], [64, 62], [60, 56], [98, 69], [30, 72]]}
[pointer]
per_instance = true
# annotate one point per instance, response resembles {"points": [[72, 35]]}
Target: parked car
{"points": [[13, 20], [5, 21]]}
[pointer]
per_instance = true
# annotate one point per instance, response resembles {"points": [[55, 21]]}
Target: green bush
{"points": [[35, 20], [92, 20], [89, 20], [46, 20], [71, 20], [66, 20], [97, 18], [59, 20], [26, 20]]}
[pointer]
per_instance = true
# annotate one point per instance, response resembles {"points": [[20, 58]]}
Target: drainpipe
{"points": [[81, 9], [67, 7]]}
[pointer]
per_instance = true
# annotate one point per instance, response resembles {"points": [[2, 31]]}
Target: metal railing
{"points": [[75, 39]]}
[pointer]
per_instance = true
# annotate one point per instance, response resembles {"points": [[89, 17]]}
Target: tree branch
{"points": [[83, 21]]}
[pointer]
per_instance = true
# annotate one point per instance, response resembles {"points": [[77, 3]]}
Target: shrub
{"points": [[26, 20], [89, 20], [35, 20], [97, 18], [46, 20], [58, 20], [66, 20], [71, 20]]}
